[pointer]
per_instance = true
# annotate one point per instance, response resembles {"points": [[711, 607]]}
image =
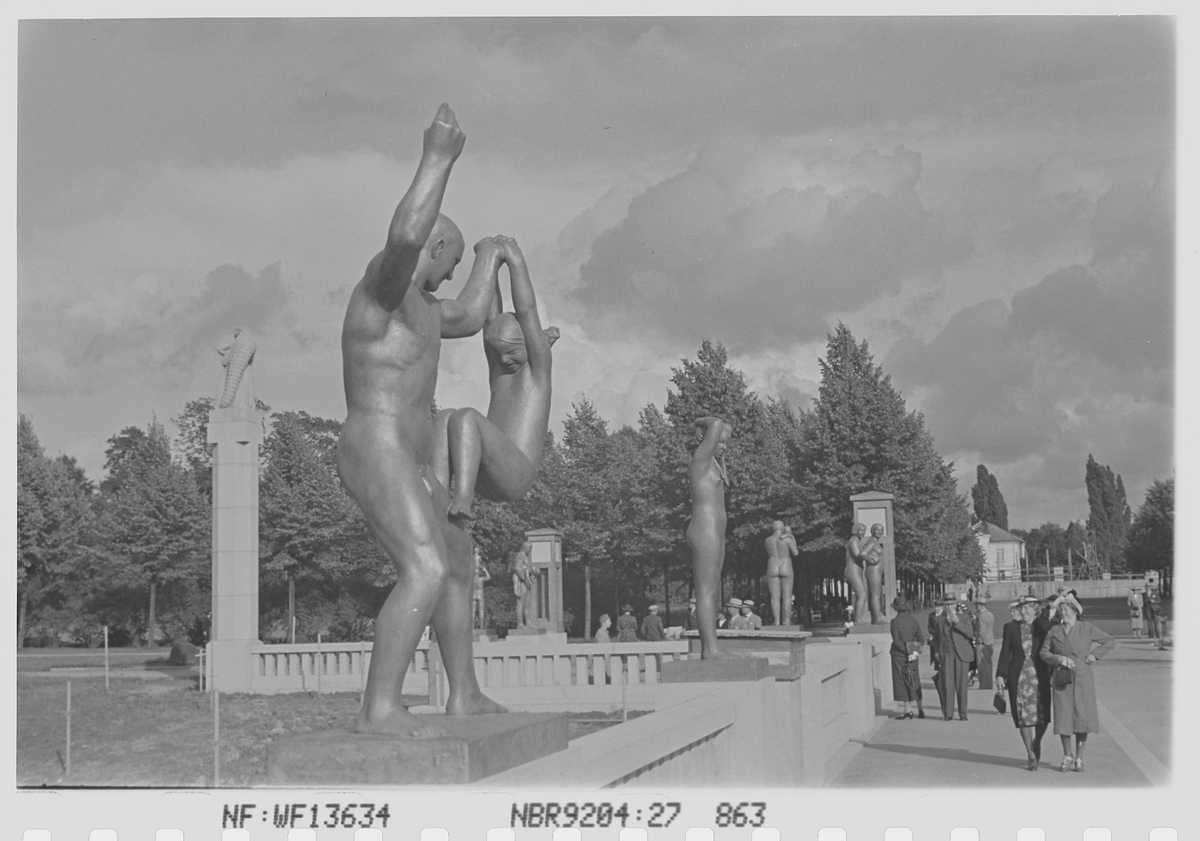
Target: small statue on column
{"points": [[235, 386]]}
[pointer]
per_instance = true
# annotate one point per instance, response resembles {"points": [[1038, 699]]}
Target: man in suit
{"points": [[935, 657], [956, 644]]}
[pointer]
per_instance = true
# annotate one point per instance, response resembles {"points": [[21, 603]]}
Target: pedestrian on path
{"points": [[985, 641], [1016, 672], [652, 626], [1070, 649], [956, 634], [907, 640], [627, 625], [1135, 601]]}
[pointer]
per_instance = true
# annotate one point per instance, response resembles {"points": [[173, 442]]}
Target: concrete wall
{"points": [[771, 732]]}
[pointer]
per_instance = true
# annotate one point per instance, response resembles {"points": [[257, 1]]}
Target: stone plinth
{"points": [[859, 629], [546, 557], [725, 670], [236, 435], [782, 647], [474, 747]]}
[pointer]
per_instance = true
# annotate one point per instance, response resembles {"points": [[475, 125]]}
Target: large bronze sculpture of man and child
{"points": [[415, 475]]}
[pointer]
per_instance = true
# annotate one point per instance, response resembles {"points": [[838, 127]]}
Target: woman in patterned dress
{"points": [[626, 625], [1015, 671], [1073, 646]]}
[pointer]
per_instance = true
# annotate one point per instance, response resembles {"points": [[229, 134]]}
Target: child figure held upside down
{"points": [[498, 455]]}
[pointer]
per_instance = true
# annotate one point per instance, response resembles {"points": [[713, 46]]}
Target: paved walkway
{"points": [[1133, 685]]}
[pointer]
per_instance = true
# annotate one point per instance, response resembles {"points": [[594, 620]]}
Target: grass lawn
{"points": [[158, 730]]}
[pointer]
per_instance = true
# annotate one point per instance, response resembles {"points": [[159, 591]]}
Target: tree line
{"points": [[134, 551]]}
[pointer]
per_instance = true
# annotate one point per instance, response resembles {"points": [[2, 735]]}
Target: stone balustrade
{"points": [[327, 667], [585, 677]]}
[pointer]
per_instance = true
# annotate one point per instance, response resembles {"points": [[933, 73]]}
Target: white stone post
{"points": [[237, 435]]}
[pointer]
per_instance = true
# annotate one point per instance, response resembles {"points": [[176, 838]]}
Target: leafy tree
{"points": [[53, 522], [190, 444], [859, 436], [1150, 542], [156, 526], [989, 502], [1109, 515]]}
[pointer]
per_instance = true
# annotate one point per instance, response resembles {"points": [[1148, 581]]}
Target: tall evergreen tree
{"points": [[988, 501], [859, 436], [53, 522], [1109, 515], [155, 523]]}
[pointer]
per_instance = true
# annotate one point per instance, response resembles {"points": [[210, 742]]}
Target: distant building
{"points": [[1003, 553]]}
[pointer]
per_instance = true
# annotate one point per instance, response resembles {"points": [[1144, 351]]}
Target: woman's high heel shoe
{"points": [[1031, 765], [1078, 764], [1067, 764]]}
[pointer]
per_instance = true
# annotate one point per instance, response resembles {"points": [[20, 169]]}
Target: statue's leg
{"points": [[787, 583], [387, 483], [874, 591], [465, 448], [506, 466], [773, 587], [452, 624], [441, 446], [858, 587], [708, 554]]}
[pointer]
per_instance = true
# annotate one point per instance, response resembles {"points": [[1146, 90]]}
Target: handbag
{"points": [[1000, 702], [1062, 677]]}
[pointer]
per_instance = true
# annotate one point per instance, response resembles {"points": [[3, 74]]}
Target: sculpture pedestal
{"points": [[726, 670], [782, 647], [475, 746]]}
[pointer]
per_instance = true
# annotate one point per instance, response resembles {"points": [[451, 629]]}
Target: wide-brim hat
{"points": [[949, 600], [747, 603], [734, 603], [653, 606], [900, 603], [627, 608], [1024, 600], [1073, 602]]}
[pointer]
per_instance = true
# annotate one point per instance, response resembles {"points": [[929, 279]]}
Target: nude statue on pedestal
{"points": [[781, 548], [706, 531], [522, 574], [482, 576], [854, 572], [391, 339], [872, 554], [500, 453]]}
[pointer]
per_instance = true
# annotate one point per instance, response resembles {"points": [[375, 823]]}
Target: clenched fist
{"points": [[444, 139]]}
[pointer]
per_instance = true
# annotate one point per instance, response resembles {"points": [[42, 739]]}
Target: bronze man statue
{"points": [[781, 547], [521, 567], [706, 531], [391, 338], [872, 554], [854, 572]]}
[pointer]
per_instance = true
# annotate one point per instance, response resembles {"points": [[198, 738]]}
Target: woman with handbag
{"points": [[1019, 649], [1070, 649], [907, 639]]}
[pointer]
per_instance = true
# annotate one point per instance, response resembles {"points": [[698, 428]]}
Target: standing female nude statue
{"points": [[872, 554], [854, 571], [706, 531], [781, 548]]}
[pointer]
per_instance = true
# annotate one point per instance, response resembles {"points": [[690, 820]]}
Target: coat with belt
{"points": [[1075, 708]]}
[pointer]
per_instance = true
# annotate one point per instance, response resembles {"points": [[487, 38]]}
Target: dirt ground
{"points": [[156, 730]]}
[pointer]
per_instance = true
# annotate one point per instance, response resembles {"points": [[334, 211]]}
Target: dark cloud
{"points": [[696, 257], [1082, 360]]}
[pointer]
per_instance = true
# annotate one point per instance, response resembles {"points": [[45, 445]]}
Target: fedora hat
{"points": [[900, 603]]}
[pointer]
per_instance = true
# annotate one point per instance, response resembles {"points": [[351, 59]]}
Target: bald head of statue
{"points": [[442, 252]]}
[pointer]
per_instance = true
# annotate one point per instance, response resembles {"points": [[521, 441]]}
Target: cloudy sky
{"points": [[989, 202]]}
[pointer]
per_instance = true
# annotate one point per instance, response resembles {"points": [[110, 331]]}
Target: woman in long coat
{"points": [[1070, 649], [907, 639], [1019, 649]]}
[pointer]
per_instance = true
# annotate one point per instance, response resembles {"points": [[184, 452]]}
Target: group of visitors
{"points": [[628, 630], [1044, 666], [1146, 611], [739, 616]]}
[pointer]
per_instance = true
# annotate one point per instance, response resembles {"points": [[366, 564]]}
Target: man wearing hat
{"points": [[652, 626], [739, 620], [627, 625], [733, 609], [1135, 600], [753, 618], [985, 641], [956, 641], [692, 622]]}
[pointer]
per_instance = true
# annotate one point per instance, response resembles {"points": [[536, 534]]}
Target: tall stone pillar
{"points": [[236, 433], [876, 507], [547, 576]]}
